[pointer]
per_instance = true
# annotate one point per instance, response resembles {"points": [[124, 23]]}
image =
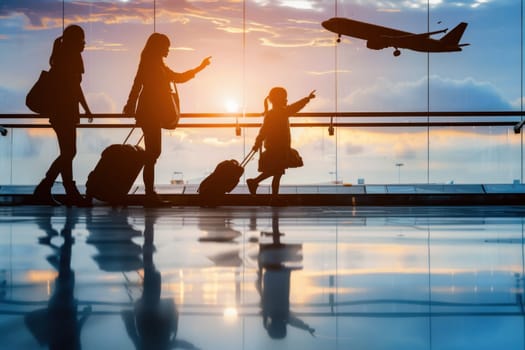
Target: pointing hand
{"points": [[205, 62]]}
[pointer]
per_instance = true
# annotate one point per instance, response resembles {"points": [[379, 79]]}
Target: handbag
{"points": [[265, 162], [41, 97], [170, 112], [294, 159]]}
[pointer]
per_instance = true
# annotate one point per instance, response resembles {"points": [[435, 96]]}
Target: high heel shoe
{"points": [[252, 186]]}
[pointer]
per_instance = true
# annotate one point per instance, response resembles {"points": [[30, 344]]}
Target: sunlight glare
{"points": [[231, 106], [230, 314]]}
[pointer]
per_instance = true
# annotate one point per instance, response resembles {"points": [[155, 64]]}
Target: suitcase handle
{"points": [[248, 157], [131, 132]]}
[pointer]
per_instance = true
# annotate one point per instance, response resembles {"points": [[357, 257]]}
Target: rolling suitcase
{"points": [[223, 179], [115, 172]]}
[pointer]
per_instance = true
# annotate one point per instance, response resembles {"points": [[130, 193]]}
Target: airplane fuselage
{"points": [[357, 29], [379, 37]]}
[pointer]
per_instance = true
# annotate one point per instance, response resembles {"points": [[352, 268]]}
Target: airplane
{"points": [[379, 37]]}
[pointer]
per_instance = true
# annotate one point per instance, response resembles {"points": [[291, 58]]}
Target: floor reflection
{"points": [[153, 322], [276, 261], [112, 235], [59, 325], [262, 278]]}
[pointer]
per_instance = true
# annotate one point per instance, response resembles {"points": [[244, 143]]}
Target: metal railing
{"points": [[512, 119]]}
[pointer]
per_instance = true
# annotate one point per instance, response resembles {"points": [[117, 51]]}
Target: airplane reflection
{"points": [[58, 326]]}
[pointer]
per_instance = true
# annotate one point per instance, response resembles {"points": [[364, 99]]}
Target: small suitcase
{"points": [[223, 179], [115, 172]]}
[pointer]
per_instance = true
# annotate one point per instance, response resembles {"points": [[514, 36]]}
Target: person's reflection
{"points": [[59, 325], [153, 323], [273, 282]]}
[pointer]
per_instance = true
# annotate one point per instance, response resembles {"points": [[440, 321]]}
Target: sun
{"points": [[231, 105]]}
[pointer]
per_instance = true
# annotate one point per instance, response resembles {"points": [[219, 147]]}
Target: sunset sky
{"points": [[284, 44]]}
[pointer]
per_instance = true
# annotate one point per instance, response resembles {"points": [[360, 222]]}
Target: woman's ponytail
{"points": [[57, 45], [266, 105]]}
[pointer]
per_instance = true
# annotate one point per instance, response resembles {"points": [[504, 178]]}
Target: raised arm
{"points": [[298, 105], [190, 74], [84, 105]]}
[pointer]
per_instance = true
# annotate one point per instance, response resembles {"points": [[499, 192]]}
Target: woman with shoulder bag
{"points": [[151, 88], [67, 68]]}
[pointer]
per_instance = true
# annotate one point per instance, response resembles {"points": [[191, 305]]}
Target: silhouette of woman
{"points": [[59, 324], [153, 323], [67, 68], [151, 84], [275, 133]]}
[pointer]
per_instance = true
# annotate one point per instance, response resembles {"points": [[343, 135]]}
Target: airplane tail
{"points": [[454, 36]]}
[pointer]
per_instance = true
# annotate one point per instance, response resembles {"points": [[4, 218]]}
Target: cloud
{"points": [[12, 101], [38, 12], [329, 72], [275, 26], [294, 43], [399, 144], [48, 13], [392, 6], [27, 145], [218, 142], [469, 94], [352, 148], [101, 45], [250, 27], [410, 143], [182, 48], [300, 4], [101, 102], [445, 95]]}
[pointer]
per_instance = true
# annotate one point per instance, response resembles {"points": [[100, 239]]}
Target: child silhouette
{"points": [[276, 137]]}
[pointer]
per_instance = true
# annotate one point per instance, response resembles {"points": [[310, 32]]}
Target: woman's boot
{"points": [[42, 193], [73, 196]]}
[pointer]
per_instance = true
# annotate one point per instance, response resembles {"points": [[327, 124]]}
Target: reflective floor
{"points": [[262, 278]]}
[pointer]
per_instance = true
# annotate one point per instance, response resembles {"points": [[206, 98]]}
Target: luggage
{"points": [[115, 172], [223, 179]]}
